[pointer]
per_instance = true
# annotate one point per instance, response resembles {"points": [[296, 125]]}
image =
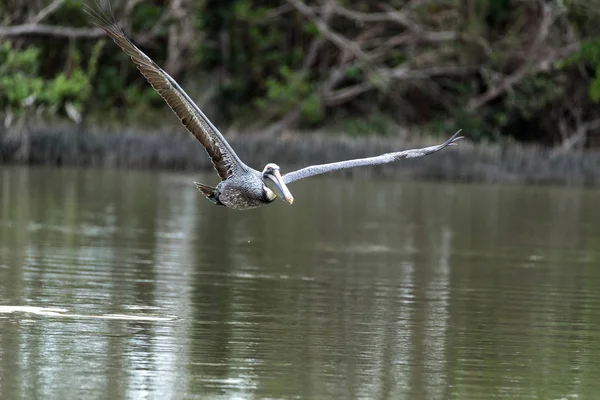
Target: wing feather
{"points": [[225, 160], [361, 162]]}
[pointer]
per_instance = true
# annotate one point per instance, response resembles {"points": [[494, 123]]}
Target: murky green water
{"points": [[121, 284]]}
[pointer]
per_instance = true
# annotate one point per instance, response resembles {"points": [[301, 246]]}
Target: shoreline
{"points": [[467, 162]]}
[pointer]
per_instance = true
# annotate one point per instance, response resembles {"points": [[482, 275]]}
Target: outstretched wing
{"points": [[225, 161], [361, 162]]}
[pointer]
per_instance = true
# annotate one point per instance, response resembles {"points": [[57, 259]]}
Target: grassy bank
{"points": [[468, 162]]}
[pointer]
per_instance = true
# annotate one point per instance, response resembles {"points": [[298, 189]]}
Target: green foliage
{"points": [[312, 110], [76, 87], [589, 53], [22, 86], [289, 89], [531, 96], [146, 16], [142, 95], [262, 61], [13, 61], [594, 91], [18, 75]]}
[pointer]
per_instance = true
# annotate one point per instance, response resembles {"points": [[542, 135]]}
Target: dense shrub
{"points": [[524, 69]]}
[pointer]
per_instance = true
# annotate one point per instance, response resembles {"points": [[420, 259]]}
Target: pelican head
{"points": [[272, 176]]}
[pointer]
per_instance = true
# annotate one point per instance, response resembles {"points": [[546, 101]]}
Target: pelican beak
{"points": [[281, 186]]}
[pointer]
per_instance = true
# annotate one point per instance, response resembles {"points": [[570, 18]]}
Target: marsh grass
{"points": [[467, 162]]}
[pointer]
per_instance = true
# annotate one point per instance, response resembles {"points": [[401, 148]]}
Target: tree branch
{"points": [[399, 73], [180, 36], [47, 11], [292, 116], [50, 30], [578, 138], [340, 41], [528, 66]]}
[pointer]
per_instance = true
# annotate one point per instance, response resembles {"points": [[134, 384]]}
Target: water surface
{"points": [[129, 284]]}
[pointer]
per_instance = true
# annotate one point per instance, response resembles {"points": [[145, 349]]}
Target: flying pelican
{"points": [[241, 187]]}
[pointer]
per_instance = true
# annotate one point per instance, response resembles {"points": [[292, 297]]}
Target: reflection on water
{"points": [[64, 313], [130, 284]]}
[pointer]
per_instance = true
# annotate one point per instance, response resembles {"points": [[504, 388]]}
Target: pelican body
{"points": [[249, 189], [241, 187]]}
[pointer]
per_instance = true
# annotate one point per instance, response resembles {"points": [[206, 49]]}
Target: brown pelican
{"points": [[241, 187]]}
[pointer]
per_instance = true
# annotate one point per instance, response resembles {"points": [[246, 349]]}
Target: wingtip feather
{"points": [[101, 14], [454, 138]]}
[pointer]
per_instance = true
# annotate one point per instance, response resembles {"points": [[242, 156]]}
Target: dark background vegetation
{"points": [[524, 70]]}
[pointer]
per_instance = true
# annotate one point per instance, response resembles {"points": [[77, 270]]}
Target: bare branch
{"points": [[427, 73], [337, 39], [276, 12], [318, 42], [47, 11], [362, 17], [528, 67], [417, 32], [346, 94], [292, 116], [131, 5], [289, 119], [50, 30], [144, 38], [400, 73], [578, 138], [180, 36], [401, 18]]}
